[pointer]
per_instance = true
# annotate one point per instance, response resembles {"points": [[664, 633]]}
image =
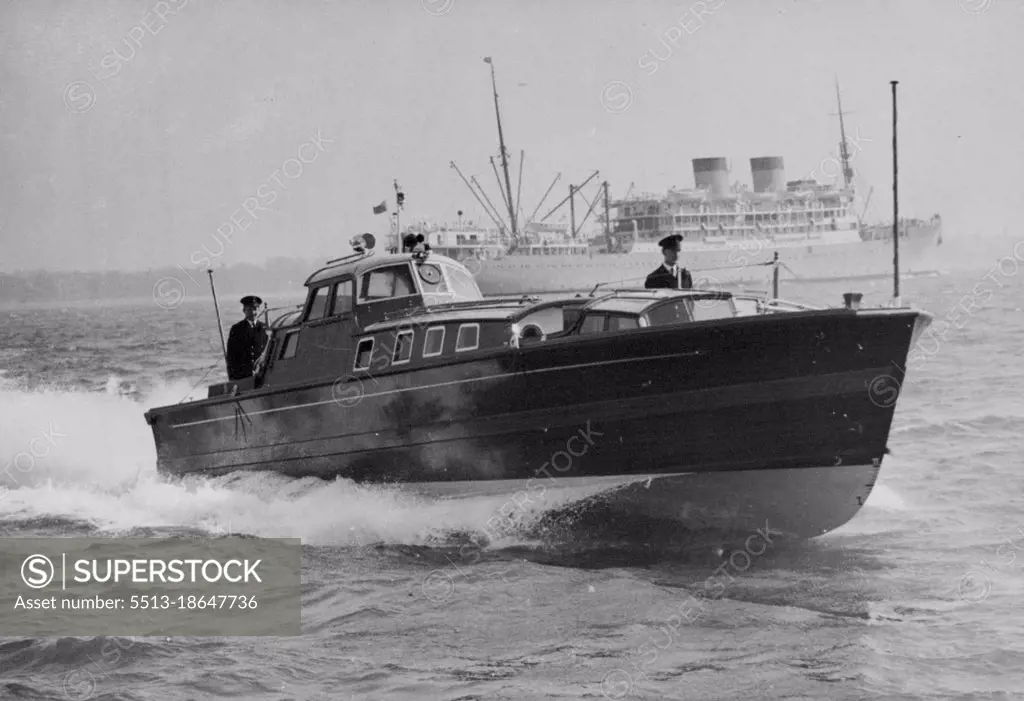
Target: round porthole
{"points": [[431, 274]]}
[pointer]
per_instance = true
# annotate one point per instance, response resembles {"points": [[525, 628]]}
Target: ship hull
{"points": [[712, 411], [741, 264]]}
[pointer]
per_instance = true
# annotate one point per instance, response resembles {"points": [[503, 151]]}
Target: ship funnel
{"points": [[768, 173], [711, 174]]}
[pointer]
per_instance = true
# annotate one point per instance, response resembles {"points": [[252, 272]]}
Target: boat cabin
{"points": [[355, 294], [368, 315], [622, 310]]}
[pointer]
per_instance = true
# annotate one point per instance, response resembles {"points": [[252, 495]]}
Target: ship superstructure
{"points": [[715, 211]]}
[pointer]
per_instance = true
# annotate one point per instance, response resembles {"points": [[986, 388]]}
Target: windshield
{"points": [[384, 283], [462, 285]]}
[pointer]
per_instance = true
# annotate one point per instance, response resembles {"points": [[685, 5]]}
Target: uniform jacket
{"points": [[662, 279], [245, 344]]}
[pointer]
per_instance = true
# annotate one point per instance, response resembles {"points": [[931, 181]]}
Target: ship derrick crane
{"points": [[864, 211], [571, 199], [844, 151], [510, 221]]}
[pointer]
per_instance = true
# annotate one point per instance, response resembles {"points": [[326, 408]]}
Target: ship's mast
{"points": [[895, 207], [844, 153], [399, 203], [504, 153], [607, 211]]}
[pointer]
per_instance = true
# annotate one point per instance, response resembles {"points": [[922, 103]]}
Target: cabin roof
{"points": [[630, 306], [559, 303], [358, 264]]}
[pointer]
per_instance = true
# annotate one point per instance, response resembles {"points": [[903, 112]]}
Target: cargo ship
{"points": [[729, 235]]}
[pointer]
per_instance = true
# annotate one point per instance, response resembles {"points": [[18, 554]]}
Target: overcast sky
{"points": [[131, 131]]}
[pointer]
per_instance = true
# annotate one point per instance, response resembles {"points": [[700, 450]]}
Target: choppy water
{"points": [[909, 600]]}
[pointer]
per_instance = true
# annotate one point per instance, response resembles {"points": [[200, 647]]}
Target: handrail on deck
{"points": [[766, 304], [785, 304]]}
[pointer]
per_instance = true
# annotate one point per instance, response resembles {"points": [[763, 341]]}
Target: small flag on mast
{"points": [[487, 59], [381, 208]]}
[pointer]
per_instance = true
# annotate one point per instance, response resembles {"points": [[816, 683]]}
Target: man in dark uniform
{"points": [[670, 276], [246, 341]]}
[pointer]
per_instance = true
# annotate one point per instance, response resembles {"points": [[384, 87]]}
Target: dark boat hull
{"points": [[731, 421], [789, 503]]}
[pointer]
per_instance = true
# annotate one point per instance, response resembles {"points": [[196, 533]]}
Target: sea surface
{"points": [[920, 596]]}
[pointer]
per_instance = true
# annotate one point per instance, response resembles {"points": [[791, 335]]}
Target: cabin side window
{"points": [[287, 319], [672, 313], [290, 345], [364, 354], [570, 315], [385, 283], [403, 347], [433, 342], [618, 322], [342, 298], [318, 304], [468, 338], [707, 309], [593, 323]]}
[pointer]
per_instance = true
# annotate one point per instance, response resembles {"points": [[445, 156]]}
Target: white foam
{"points": [[884, 497], [59, 437], [91, 457]]}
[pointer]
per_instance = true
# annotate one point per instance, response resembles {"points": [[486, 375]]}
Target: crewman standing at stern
{"points": [[246, 341]]}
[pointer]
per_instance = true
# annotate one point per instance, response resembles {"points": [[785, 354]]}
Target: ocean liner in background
{"points": [[730, 234]]}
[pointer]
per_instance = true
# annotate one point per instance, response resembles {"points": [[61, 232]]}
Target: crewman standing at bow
{"points": [[670, 276], [246, 341]]}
